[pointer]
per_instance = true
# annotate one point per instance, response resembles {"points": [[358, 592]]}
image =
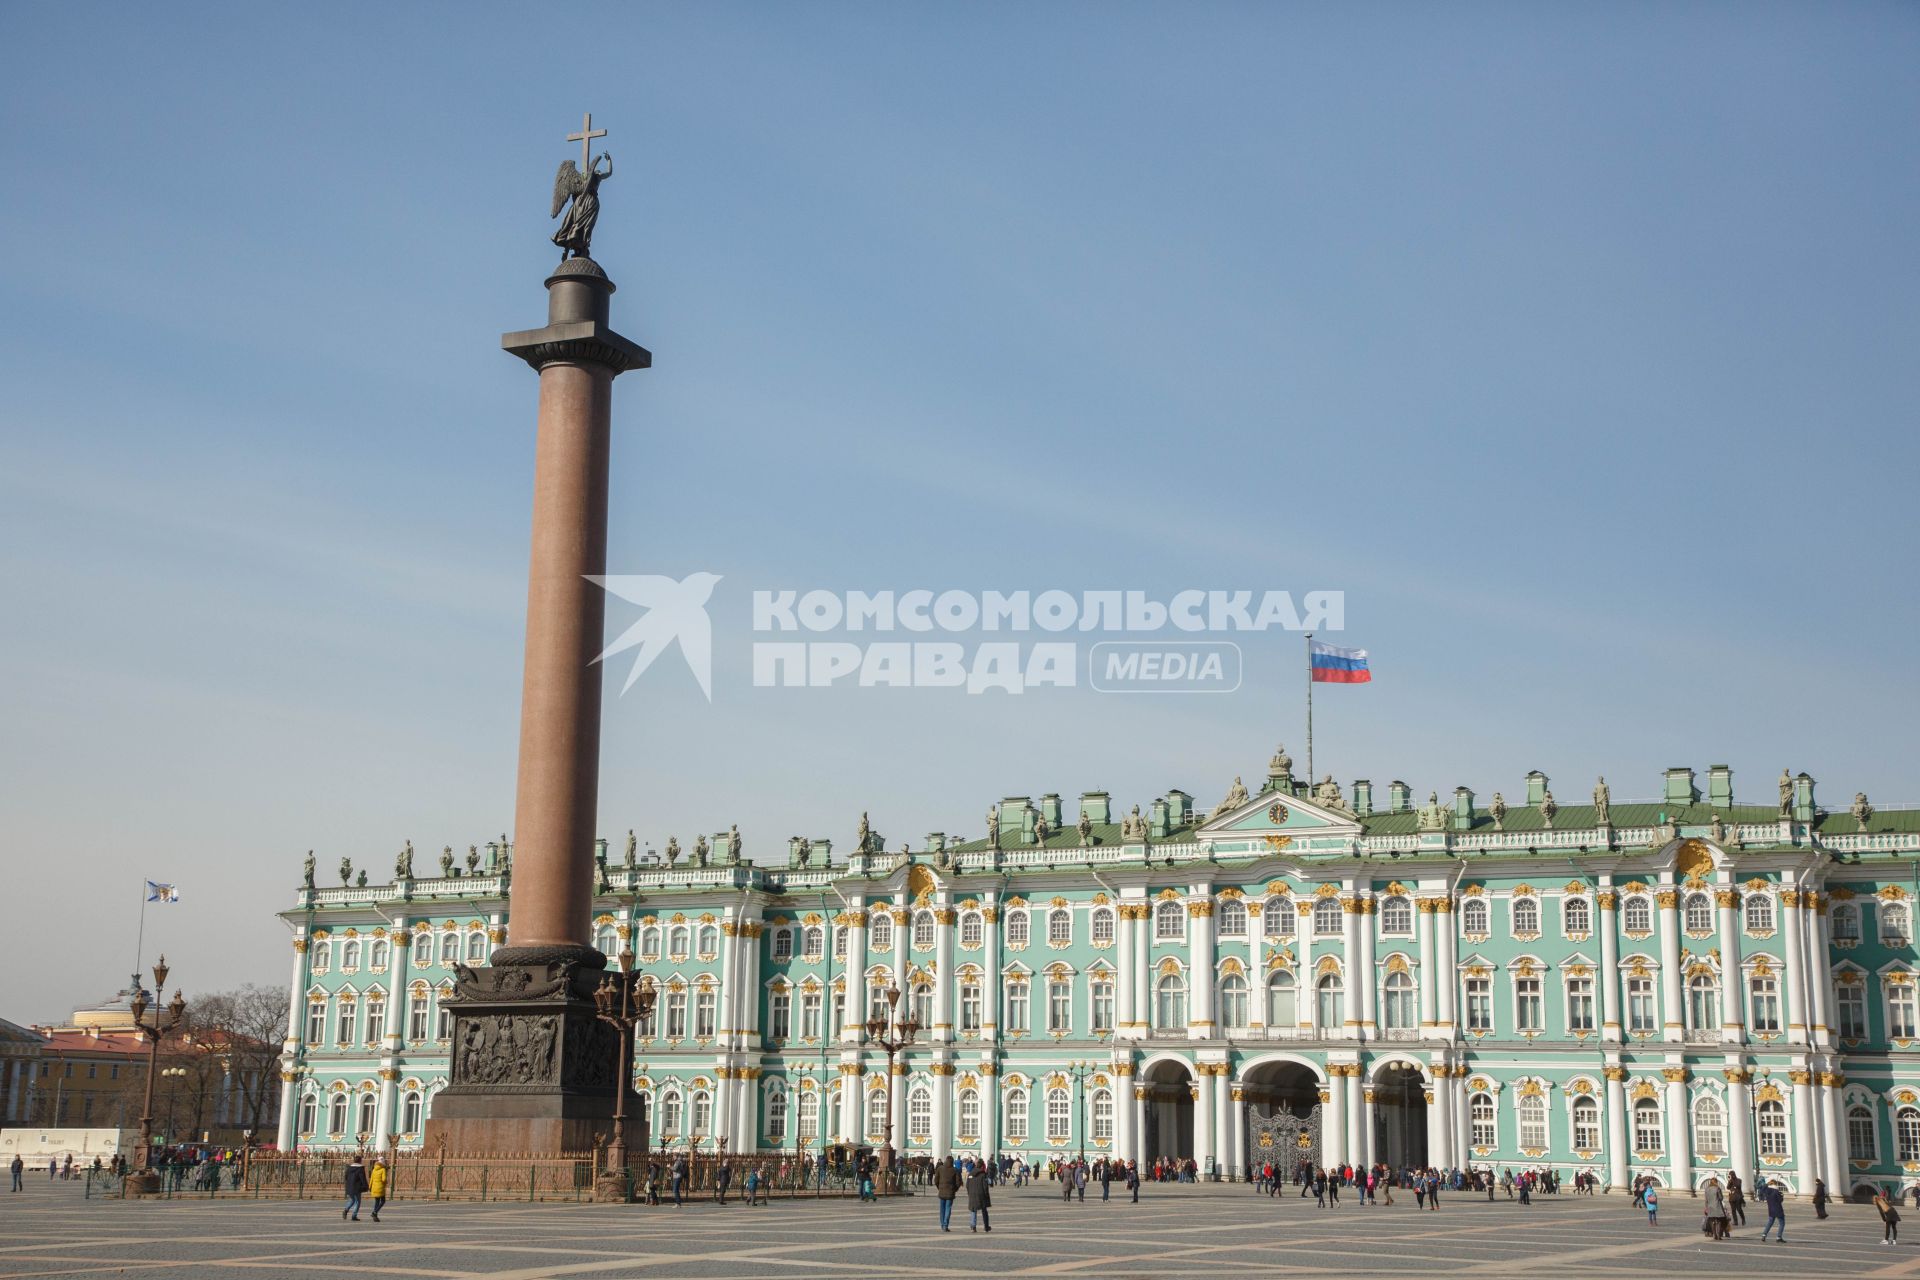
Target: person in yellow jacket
{"points": [[377, 1186]]}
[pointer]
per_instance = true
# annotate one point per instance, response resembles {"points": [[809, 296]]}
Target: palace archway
{"points": [[1169, 1106], [1400, 1116], [1283, 1115]]}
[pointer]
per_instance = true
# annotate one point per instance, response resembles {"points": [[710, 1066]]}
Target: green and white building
{"points": [[1679, 987]]}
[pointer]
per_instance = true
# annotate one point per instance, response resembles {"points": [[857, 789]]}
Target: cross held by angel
{"points": [[580, 185]]}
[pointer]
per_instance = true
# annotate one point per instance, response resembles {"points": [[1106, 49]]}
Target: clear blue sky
{"points": [[1575, 343]]}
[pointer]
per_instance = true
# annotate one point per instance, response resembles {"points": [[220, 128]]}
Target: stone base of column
{"points": [[533, 1069]]}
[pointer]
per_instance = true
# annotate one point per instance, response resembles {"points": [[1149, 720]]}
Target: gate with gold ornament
{"points": [[1284, 1138]]}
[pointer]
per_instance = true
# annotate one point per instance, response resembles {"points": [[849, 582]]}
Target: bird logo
{"points": [[674, 611]]}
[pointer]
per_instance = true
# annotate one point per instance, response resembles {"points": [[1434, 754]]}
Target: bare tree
{"points": [[235, 1038]]}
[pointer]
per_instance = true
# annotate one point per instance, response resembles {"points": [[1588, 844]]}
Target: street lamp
{"points": [[1753, 1118], [1078, 1071], [893, 1035], [165, 1023], [620, 1003]]}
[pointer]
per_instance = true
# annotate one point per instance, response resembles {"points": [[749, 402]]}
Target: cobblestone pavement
{"points": [[49, 1230]]}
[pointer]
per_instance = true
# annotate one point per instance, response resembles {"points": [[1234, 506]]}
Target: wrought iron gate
{"points": [[1284, 1138]]}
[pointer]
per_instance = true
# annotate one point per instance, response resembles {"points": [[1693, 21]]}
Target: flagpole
{"points": [[140, 938], [1309, 713]]}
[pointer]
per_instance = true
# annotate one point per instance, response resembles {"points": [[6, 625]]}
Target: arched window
{"points": [[378, 955], [1282, 1006], [410, 1113], [650, 943], [1473, 916], [606, 940], [1017, 927], [1326, 918], [839, 943], [1906, 1135], [309, 1113], [1846, 922], [880, 930], [701, 1113], [449, 947], [922, 930], [1773, 1129], [1586, 1124], [922, 1011], [809, 1118], [777, 1116], [1703, 1003], [477, 947], [1016, 1116], [1709, 1126], [969, 1115], [1170, 1004], [783, 944], [337, 1116], [1233, 1002], [677, 938], [1233, 918], [1399, 1002], [322, 957], [1636, 916], [1060, 927], [1102, 1115], [1532, 1110], [1648, 1136], [369, 1109], [972, 929], [1893, 924], [1699, 913], [1764, 996], [1526, 915], [1576, 916], [813, 943], [1396, 916], [1862, 1141], [1759, 912], [670, 1112], [422, 949], [1330, 1015], [709, 942], [350, 956], [1170, 921], [1059, 1114], [1480, 1118], [1279, 918], [1100, 925], [919, 1114]]}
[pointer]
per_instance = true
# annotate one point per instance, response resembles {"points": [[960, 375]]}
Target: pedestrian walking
{"points": [[722, 1181], [979, 1200], [1736, 1200], [1889, 1218], [1819, 1198], [1714, 1206], [1774, 1196], [1133, 1180], [377, 1186], [356, 1186], [19, 1170], [679, 1181], [1652, 1200], [946, 1185]]}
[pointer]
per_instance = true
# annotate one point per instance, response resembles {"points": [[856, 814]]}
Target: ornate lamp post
{"points": [[165, 1022], [621, 1003], [1754, 1085], [891, 1034], [1078, 1072]]}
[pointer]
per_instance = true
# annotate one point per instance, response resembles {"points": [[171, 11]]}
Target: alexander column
{"points": [[533, 1069]]}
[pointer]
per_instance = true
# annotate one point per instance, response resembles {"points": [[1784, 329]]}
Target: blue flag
{"points": [[162, 892]]}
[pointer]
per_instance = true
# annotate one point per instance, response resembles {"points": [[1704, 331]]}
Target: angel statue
{"points": [[576, 231]]}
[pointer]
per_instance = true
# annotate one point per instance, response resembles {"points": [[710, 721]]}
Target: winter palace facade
{"points": [[1677, 987]]}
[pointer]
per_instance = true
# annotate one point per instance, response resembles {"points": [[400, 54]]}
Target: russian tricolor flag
{"points": [[1334, 665]]}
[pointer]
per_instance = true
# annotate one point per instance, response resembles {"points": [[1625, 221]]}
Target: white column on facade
{"points": [[1357, 1113], [1672, 981], [1461, 1115], [852, 1104], [1203, 1114], [1225, 1154], [1200, 1011], [1139, 1152], [1617, 1128], [383, 1112], [942, 1110], [1610, 1030], [1446, 979], [1679, 1131], [1364, 961], [1439, 1117], [1369, 1124], [944, 917], [1123, 1139], [1256, 970], [1740, 1121], [1237, 1161], [1796, 967], [1123, 994], [1820, 976], [990, 979], [1834, 1132], [1429, 968], [989, 1109], [1805, 1154], [1351, 963], [1143, 969], [288, 1110], [897, 1104], [1333, 1126], [1733, 1018], [727, 1013], [290, 1048]]}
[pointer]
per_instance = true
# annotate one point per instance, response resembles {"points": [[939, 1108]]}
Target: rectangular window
{"points": [[780, 1016], [1580, 1004], [1528, 1015], [1586, 1126], [1900, 1012], [443, 1021], [703, 1007], [1479, 1004], [376, 1022], [1017, 1019], [1853, 1013], [343, 1033], [810, 1016], [969, 1006], [1102, 1008], [1765, 994], [417, 1018], [1640, 1006], [1480, 1117], [1059, 1006]]}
